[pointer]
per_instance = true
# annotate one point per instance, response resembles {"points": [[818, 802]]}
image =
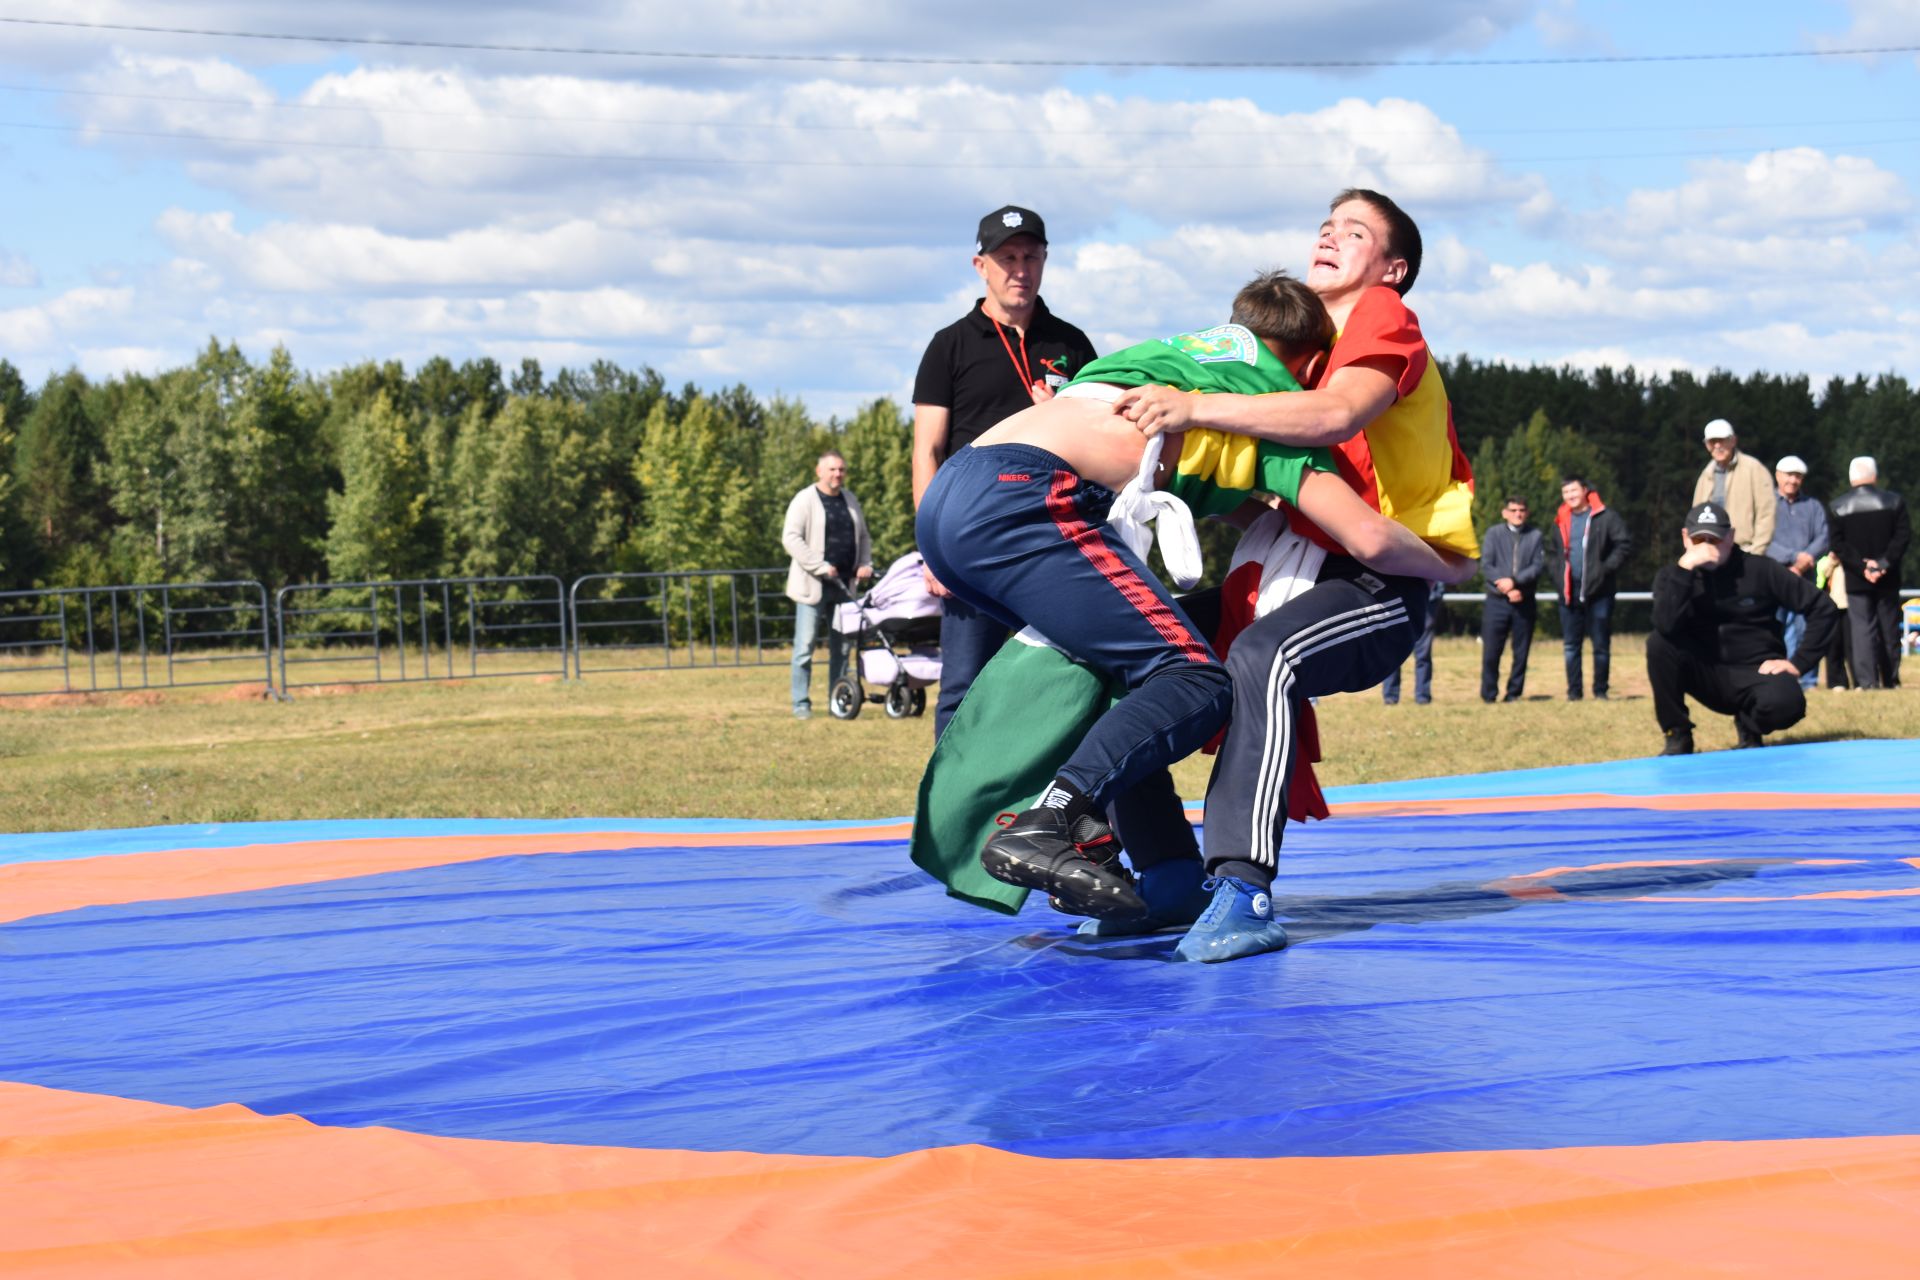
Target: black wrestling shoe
{"points": [[1078, 867], [1679, 743], [1749, 737]]}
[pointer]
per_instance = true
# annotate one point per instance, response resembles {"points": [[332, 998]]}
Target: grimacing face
{"points": [[1351, 252]]}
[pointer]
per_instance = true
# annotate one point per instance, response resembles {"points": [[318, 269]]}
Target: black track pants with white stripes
{"points": [[1341, 636]]}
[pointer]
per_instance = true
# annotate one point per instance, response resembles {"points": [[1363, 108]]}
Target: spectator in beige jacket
{"points": [[1741, 484], [826, 534]]}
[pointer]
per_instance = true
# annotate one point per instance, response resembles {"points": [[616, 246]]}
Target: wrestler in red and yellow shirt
{"points": [[1407, 462]]}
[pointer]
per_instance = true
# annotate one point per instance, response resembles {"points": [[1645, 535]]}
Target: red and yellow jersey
{"points": [[1407, 462]]}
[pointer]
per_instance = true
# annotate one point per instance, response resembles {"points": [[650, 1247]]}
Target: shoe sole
{"points": [[1085, 890]]}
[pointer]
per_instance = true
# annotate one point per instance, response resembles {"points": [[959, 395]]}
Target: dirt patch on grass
{"points": [[54, 701]]}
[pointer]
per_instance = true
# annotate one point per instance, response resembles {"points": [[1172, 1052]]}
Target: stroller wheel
{"points": [[899, 701], [919, 702], [843, 703]]}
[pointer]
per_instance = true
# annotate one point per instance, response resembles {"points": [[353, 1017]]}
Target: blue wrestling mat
{"points": [[1729, 956]]}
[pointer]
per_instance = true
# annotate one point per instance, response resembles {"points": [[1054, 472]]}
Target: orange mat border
{"points": [[105, 1187]]}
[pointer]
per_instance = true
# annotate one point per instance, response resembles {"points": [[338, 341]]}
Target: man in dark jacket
{"points": [[1588, 545], [1512, 558], [1717, 635], [1870, 535]]}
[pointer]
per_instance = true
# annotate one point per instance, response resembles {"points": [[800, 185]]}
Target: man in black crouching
{"points": [[1717, 635]]}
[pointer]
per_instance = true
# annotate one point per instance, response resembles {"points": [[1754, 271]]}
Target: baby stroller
{"points": [[896, 640]]}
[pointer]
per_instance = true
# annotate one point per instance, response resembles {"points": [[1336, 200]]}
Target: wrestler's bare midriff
{"points": [[1085, 433]]}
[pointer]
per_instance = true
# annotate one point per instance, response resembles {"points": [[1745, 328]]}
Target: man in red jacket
{"points": [[1588, 544]]}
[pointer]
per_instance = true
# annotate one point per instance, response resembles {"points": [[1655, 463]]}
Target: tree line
{"points": [[227, 469]]}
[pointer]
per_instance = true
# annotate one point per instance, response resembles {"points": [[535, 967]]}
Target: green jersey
{"points": [[1216, 470]]}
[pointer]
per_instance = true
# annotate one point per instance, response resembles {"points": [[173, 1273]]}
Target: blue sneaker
{"points": [[1239, 922], [1175, 892]]}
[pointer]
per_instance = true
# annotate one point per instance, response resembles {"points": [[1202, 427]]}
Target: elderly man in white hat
{"points": [[1799, 540], [1738, 483]]}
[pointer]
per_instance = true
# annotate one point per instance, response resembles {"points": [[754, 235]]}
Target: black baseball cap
{"points": [[1709, 520], [1006, 222]]}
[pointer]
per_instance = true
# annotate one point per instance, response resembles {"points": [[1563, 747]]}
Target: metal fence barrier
{"points": [[145, 636], [654, 621], [420, 629], [165, 635]]}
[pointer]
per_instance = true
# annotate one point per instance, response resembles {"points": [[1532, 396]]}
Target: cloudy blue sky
{"points": [[803, 226]]}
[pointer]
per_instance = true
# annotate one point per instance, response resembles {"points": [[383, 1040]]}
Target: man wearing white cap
{"points": [[1799, 540], [1738, 483]]}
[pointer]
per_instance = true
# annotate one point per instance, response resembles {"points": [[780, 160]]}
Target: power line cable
{"points": [[1273, 64]]}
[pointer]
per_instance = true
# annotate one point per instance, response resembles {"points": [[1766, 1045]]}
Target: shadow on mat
{"points": [[1310, 919]]}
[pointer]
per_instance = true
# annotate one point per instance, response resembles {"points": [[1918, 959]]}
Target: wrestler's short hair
{"points": [[1281, 309], [1403, 237]]}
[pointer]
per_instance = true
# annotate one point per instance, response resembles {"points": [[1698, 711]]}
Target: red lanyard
{"points": [[1020, 365]]}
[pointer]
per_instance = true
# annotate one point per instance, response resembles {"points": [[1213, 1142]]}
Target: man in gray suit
{"points": [[1512, 558]]}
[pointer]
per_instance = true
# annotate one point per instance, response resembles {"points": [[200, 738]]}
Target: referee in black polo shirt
{"points": [[1009, 352]]}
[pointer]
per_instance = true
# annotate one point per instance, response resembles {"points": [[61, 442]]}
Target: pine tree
{"points": [[529, 493], [56, 458], [878, 444], [695, 468], [379, 527]]}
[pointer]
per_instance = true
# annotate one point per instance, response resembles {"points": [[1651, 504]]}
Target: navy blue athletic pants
{"points": [[1016, 534]]}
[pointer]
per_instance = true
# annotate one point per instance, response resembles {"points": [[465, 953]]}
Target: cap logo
{"points": [[1707, 517], [1011, 218]]}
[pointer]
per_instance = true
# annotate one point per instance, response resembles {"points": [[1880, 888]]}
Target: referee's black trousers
{"points": [[1759, 703]]}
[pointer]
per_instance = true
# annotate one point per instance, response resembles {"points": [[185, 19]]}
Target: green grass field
{"points": [[709, 742]]}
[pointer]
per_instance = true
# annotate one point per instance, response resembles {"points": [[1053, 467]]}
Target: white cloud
{"points": [[1645, 361], [114, 362], [17, 272], [420, 151], [576, 251], [1538, 292], [990, 29], [1561, 27], [1833, 353], [1796, 189], [44, 329], [807, 226], [1877, 24]]}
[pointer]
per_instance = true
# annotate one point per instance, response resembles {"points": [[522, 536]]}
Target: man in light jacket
{"points": [[826, 534], [1741, 485]]}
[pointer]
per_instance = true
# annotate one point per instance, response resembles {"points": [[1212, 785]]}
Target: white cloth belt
{"points": [[1139, 505], [1289, 563]]}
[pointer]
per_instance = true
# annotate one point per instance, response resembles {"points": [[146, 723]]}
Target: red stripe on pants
{"points": [[1066, 517]]}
